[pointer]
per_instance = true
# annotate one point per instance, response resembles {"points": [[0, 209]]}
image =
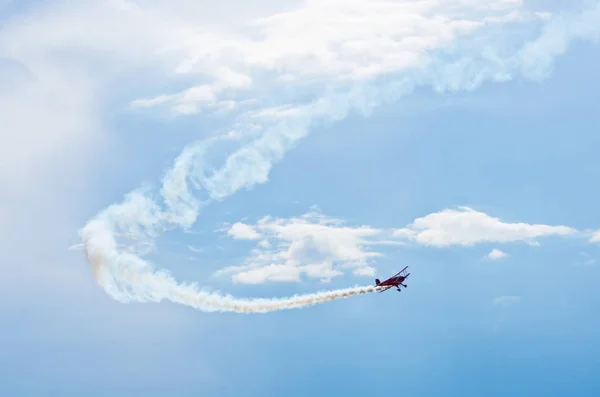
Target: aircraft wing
{"points": [[386, 288], [401, 271]]}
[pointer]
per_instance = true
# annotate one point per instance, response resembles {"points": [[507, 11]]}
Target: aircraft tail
{"points": [[377, 282]]}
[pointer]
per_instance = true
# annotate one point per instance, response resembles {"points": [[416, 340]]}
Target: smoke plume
{"points": [[129, 279]]}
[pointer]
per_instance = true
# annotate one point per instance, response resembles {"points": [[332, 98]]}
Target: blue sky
{"points": [[521, 154]]}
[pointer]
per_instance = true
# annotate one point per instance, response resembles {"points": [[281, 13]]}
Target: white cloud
{"points": [[242, 231], [496, 254], [327, 40], [364, 271], [313, 244], [595, 237], [465, 226], [353, 39], [264, 244], [506, 301], [280, 273]]}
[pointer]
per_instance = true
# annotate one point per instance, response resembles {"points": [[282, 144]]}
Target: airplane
{"points": [[394, 281]]}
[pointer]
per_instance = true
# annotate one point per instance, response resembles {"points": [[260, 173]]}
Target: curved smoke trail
{"points": [[127, 278]]}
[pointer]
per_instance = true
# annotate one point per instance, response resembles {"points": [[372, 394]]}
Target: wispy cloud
{"points": [[196, 250], [595, 237], [586, 260], [506, 301]]}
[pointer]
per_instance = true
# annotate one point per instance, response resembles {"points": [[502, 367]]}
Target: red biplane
{"points": [[394, 281]]}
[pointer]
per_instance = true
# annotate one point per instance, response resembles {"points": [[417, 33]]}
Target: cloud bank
{"points": [[317, 246], [279, 76]]}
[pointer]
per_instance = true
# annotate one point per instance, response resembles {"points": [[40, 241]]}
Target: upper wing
{"points": [[401, 271]]}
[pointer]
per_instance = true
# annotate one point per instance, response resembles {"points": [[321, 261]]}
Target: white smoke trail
{"points": [[127, 277]]}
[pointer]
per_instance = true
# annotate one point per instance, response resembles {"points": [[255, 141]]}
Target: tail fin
{"points": [[377, 282]]}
